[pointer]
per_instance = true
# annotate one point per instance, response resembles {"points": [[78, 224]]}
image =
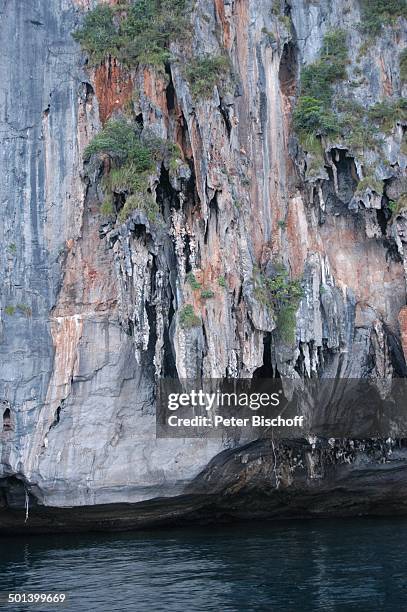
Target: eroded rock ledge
{"points": [[261, 480]]}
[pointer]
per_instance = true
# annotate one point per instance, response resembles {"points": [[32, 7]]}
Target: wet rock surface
{"points": [[260, 481]]}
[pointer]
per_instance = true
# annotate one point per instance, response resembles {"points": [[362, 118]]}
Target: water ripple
{"points": [[311, 566]]}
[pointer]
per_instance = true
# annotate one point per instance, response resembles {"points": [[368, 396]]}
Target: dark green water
{"points": [[358, 564]]}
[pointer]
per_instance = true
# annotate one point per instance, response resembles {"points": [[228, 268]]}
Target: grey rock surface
{"points": [[90, 308]]}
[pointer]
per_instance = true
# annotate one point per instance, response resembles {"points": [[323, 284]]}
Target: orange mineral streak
{"points": [[387, 85], [66, 334], [180, 132], [197, 148], [113, 86], [154, 88], [403, 329], [360, 264], [297, 235], [224, 22], [242, 66], [89, 283], [88, 294]]}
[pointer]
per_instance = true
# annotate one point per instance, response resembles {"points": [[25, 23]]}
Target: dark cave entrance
{"points": [[347, 180], [288, 70], [169, 365], [266, 370], [7, 420]]}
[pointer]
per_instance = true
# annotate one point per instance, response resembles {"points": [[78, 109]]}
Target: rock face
{"points": [[91, 306]]}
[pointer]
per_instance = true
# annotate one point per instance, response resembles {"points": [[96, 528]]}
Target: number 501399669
{"points": [[34, 598]]}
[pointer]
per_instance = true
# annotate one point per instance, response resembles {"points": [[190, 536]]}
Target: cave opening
{"points": [[167, 196], [266, 370], [337, 197], [382, 220], [14, 493], [139, 121], [169, 366], [147, 357], [225, 115], [396, 354], [392, 252], [299, 364], [139, 231], [213, 216], [89, 92], [384, 214], [187, 253], [57, 416], [183, 139], [152, 339], [170, 91], [288, 70], [119, 200], [346, 173], [7, 420]]}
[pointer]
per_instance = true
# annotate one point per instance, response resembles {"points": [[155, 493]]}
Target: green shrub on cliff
{"points": [[308, 114], [396, 207], [144, 201], [121, 142], [317, 78], [206, 294], [358, 131], [286, 322], [127, 178], [282, 295], [137, 32], [313, 114], [312, 117], [98, 34], [188, 318], [149, 28], [376, 13], [312, 144], [318, 114], [107, 207], [388, 112], [203, 73], [369, 182], [133, 157], [191, 280]]}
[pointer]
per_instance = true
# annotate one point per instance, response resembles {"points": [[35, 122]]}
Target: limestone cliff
{"points": [[93, 298]]}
